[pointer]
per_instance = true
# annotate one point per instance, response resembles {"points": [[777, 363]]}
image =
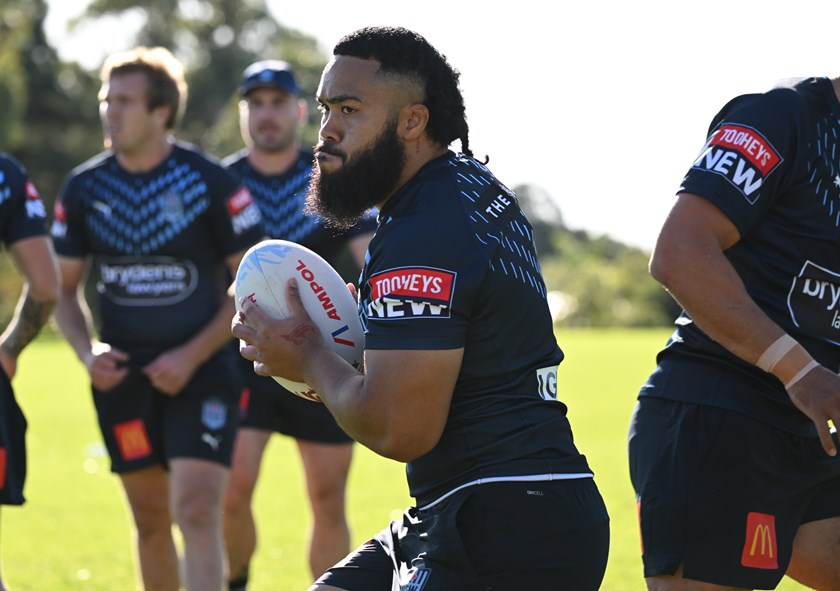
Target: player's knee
{"points": [[197, 511]]}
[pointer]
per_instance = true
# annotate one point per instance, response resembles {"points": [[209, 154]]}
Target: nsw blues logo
{"points": [[213, 414], [415, 579], [171, 207]]}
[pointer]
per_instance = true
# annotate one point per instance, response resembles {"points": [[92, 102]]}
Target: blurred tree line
{"points": [[49, 120]]}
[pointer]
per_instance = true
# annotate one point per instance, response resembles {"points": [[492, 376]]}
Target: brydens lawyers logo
{"points": [[411, 292], [814, 301], [740, 154], [760, 550]]}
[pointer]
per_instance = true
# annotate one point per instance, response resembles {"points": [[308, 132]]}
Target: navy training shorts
{"points": [[143, 427], [724, 494], [500, 536], [12, 445], [266, 405]]}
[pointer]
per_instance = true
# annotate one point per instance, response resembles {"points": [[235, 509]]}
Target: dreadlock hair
{"points": [[401, 52]]}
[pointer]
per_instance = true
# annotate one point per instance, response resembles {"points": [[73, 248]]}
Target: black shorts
{"points": [[143, 427], [724, 494], [268, 406], [502, 536], [12, 445]]}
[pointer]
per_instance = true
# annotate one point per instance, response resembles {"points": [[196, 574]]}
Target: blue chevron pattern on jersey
{"points": [[495, 213], [138, 217], [281, 202], [825, 176]]}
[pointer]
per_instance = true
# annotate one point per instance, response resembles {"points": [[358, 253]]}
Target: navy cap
{"points": [[268, 74]]}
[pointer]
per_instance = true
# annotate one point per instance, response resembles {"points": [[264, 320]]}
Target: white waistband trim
{"points": [[527, 478]]}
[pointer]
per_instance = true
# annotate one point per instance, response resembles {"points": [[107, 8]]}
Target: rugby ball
{"points": [[262, 277]]}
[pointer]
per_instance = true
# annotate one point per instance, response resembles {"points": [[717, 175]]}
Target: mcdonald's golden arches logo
{"points": [[132, 439], [760, 549]]}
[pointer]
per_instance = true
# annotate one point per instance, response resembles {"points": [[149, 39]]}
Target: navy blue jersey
{"points": [[771, 164], [281, 200], [22, 213], [453, 265], [158, 241]]}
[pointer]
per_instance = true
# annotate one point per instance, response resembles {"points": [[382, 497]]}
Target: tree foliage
{"points": [[50, 121], [217, 40]]}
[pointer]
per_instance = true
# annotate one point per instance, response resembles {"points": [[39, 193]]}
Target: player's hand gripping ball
{"points": [[262, 277]]}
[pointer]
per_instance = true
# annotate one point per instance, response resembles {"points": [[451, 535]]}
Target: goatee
{"points": [[342, 197]]}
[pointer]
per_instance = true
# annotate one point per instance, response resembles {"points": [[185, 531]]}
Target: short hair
{"points": [[402, 52], [164, 73]]}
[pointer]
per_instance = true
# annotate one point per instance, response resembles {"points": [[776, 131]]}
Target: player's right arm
{"points": [[104, 364], [35, 259], [688, 259]]}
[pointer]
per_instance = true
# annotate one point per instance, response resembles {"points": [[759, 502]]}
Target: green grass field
{"points": [[75, 530]]}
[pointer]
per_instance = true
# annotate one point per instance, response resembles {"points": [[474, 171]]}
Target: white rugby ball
{"points": [[262, 277]]}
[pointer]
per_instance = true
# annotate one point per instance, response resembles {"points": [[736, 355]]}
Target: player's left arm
{"points": [[397, 408], [689, 260], [171, 371], [35, 259]]}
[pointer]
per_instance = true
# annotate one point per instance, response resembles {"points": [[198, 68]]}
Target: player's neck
{"points": [[273, 163], [417, 156], [145, 157], [835, 82]]}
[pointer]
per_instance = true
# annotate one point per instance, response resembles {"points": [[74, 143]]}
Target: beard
{"points": [[342, 197]]}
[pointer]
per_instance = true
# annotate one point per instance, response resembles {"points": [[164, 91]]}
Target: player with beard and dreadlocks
{"points": [[460, 375]]}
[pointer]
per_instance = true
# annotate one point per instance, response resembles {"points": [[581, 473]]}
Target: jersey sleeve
{"points": [[235, 217], [23, 213], [419, 292], [751, 146], [67, 228]]}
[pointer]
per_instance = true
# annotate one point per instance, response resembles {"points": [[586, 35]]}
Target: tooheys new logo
{"points": [[411, 292], [740, 154], [814, 302]]}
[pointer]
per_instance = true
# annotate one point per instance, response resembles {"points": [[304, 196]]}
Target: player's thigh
{"points": [[248, 453], [816, 554], [147, 492]]}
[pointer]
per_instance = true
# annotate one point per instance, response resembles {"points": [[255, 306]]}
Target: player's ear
{"points": [[414, 118], [162, 114]]}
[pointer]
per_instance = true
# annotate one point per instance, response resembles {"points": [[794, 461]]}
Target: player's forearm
{"points": [[375, 420], [710, 290], [75, 324], [342, 389], [29, 317]]}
